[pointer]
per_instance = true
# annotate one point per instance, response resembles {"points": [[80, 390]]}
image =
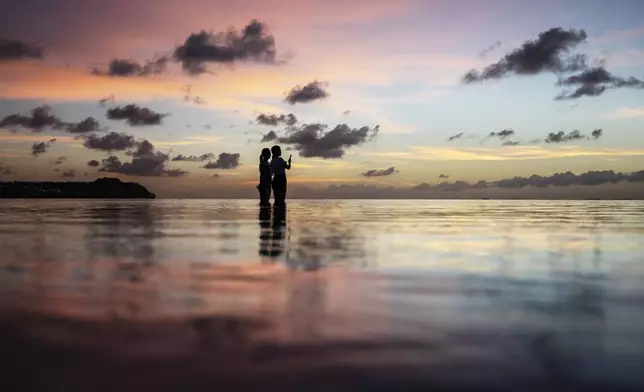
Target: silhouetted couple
{"points": [[272, 175]]}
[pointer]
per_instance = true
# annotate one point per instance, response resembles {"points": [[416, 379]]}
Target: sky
{"points": [[178, 96]]}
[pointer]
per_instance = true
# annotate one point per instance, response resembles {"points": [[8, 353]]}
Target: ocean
{"points": [[342, 295]]}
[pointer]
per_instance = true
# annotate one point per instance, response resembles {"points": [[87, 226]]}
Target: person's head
{"points": [[266, 153], [277, 151]]}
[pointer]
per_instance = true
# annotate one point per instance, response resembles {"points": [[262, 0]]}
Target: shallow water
{"points": [[330, 295]]}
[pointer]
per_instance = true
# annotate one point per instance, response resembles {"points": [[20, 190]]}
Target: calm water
{"points": [[192, 295]]}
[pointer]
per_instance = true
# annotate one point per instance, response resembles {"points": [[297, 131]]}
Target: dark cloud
{"points": [[90, 124], [489, 49], [225, 161], [562, 137], [312, 140], [135, 115], [193, 158], [60, 160], [129, 68], [275, 120], [252, 44], [308, 93], [268, 137], [42, 147], [443, 176], [379, 173], [71, 173], [558, 179], [113, 141], [39, 119], [11, 49], [510, 143], [547, 53], [594, 82], [455, 137], [145, 162], [597, 133], [93, 163], [502, 135]]}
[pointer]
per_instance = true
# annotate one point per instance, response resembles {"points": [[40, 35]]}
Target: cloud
{"points": [[252, 44], [193, 158], [90, 124], [38, 119], [41, 147], [11, 49], [455, 137], [41, 118], [270, 136], [379, 173], [562, 137], [135, 115], [308, 93], [597, 133], [311, 140], [489, 49], [509, 143], [93, 163], [60, 160], [346, 112], [113, 141], [594, 82], [275, 120], [226, 161], [439, 154], [129, 68], [501, 135], [557, 179], [103, 101], [443, 176], [71, 173], [6, 170], [146, 162], [544, 54]]}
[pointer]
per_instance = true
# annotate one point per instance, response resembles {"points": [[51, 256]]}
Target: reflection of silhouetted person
{"points": [[279, 227], [264, 186], [279, 167], [264, 231]]}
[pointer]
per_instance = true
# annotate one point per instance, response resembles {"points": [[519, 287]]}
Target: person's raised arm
{"points": [[288, 164]]}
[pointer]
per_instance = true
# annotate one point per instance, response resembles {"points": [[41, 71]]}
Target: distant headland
{"points": [[102, 188]]}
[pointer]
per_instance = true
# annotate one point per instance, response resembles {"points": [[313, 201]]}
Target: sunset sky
{"points": [[399, 65]]}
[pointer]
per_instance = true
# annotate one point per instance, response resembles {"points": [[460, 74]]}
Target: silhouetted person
{"points": [[265, 233], [279, 167], [265, 174]]}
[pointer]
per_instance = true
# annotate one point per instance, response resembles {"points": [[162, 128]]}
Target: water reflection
{"points": [[334, 294]]}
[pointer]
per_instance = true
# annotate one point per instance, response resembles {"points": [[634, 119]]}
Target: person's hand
{"points": [[289, 158]]}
